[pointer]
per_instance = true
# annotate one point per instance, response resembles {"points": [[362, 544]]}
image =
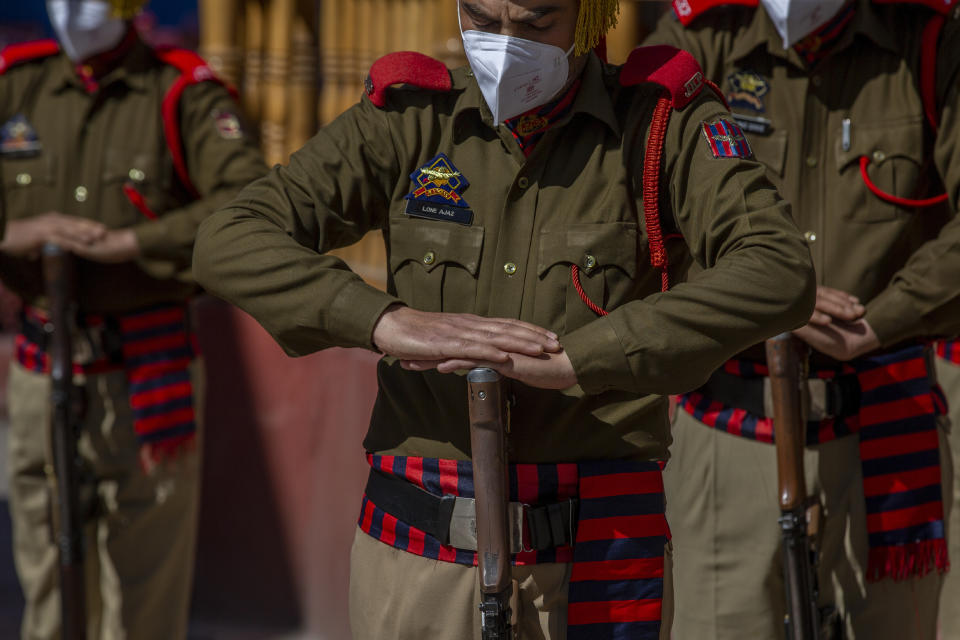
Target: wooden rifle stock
{"points": [[787, 377], [58, 282], [488, 442]]}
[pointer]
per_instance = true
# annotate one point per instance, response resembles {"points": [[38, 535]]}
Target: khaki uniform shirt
{"points": [[574, 198], [91, 144], [903, 263]]}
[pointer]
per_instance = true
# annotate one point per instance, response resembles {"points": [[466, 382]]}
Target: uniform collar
{"points": [[128, 70], [593, 98], [761, 33]]}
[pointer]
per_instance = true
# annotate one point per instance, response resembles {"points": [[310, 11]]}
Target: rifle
{"points": [[787, 375], [58, 283], [488, 443]]}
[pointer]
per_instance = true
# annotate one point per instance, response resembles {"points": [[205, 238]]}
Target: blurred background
{"points": [[283, 462]]}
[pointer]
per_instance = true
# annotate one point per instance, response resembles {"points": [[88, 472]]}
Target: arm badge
{"points": [[726, 139]]}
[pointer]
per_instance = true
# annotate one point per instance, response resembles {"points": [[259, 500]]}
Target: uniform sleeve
{"points": [[219, 165], [264, 252], [755, 276], [923, 298]]}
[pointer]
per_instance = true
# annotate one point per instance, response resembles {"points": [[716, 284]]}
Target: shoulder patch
{"points": [[15, 54], [405, 67], [187, 63], [675, 70], [940, 6], [725, 139], [688, 10]]}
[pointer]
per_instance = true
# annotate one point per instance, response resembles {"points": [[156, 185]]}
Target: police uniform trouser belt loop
{"points": [[839, 397], [452, 519]]}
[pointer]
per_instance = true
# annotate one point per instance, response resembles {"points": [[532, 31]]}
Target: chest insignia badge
{"points": [[726, 139], [530, 124], [747, 89], [437, 189], [18, 137]]}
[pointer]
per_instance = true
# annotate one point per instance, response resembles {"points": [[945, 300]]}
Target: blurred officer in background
{"points": [[115, 152], [854, 105]]}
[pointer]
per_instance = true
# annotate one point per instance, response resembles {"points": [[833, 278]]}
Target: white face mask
{"points": [[85, 28], [795, 19], [514, 74]]}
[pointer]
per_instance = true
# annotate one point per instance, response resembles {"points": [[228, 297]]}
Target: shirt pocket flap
{"points": [[881, 143], [26, 171], [590, 246], [434, 243], [138, 168]]}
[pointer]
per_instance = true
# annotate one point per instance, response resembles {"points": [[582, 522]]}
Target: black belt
{"points": [[542, 526], [842, 393]]}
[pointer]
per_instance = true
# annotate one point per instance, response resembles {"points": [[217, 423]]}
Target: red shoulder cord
{"points": [[928, 80]]}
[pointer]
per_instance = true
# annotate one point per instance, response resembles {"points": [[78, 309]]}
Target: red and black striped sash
{"points": [[157, 349], [899, 453], [616, 584], [949, 350]]}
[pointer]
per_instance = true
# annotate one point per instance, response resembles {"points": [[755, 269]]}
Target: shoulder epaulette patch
{"points": [[725, 139], [688, 10], [405, 67], [675, 70], [940, 6], [187, 63], [15, 54]]}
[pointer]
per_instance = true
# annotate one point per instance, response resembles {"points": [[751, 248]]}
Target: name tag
{"points": [[433, 211]]}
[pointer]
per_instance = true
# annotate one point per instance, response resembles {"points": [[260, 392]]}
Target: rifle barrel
{"points": [[58, 282], [787, 377], [491, 491]]}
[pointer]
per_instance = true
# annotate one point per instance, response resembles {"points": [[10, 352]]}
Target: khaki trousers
{"points": [[722, 506], [949, 376], [396, 595], [139, 529]]}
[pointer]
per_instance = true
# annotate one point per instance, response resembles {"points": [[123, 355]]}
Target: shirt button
{"points": [[811, 162], [879, 156], [137, 175], [23, 179], [429, 257], [589, 262], [523, 183], [510, 268], [810, 236], [80, 194]]}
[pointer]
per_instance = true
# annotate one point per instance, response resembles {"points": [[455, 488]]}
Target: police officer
{"points": [[116, 152], [852, 104], [531, 205]]}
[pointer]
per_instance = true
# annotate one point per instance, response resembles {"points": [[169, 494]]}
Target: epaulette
{"points": [[15, 54], [405, 67], [688, 10], [673, 69], [940, 6], [193, 70], [187, 63]]}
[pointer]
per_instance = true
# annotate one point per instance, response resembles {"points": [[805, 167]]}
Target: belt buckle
{"points": [[518, 524], [463, 524]]}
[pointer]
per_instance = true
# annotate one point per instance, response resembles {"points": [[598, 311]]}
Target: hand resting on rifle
{"points": [[448, 342]]}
